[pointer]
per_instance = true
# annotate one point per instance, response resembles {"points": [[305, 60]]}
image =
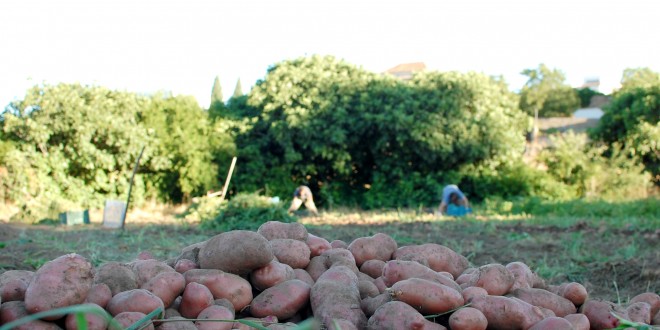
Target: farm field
{"points": [[614, 257]]}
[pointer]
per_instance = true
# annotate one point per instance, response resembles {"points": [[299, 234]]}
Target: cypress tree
{"points": [[216, 94], [238, 90]]}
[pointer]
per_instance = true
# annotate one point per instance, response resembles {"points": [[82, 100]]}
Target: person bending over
{"points": [[303, 195], [452, 195]]}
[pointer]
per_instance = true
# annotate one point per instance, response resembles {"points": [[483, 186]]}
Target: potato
{"points": [[273, 273], [99, 294], [177, 323], [495, 278], [559, 305], [380, 284], [145, 270], [166, 286], [507, 313], [316, 267], [190, 252], [440, 258], [184, 265], [373, 267], [304, 276], [369, 305], [367, 289], [223, 285], [13, 310], [396, 315], [650, 297], [264, 321], [61, 282], [573, 291], [428, 297], [215, 312], [317, 245], [196, 297], [656, 319], [639, 312], [126, 319], [93, 321], [225, 303], [145, 255], [473, 291], [238, 252], [275, 230], [282, 300], [137, 300], [599, 313], [552, 323], [341, 324], [13, 284], [398, 270], [335, 295], [117, 276], [339, 244], [292, 252], [578, 321], [523, 276], [468, 318], [379, 246]]}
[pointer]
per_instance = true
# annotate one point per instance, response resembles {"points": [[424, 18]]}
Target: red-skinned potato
{"points": [[573, 291], [399, 315], [553, 323], [440, 258], [166, 286], [13, 284], [579, 321], [599, 313], [317, 245], [275, 230], [145, 270], [304, 276], [215, 312], [177, 323], [292, 252], [373, 268], [367, 289], [117, 276], [238, 252], [399, 270], [639, 312], [428, 297], [468, 318], [334, 296], [223, 285], [64, 281], [559, 305], [264, 321], [14, 310], [126, 319], [184, 265], [379, 247], [369, 305], [282, 300], [196, 297], [339, 244], [380, 284], [649, 297], [495, 278], [93, 321], [273, 273], [99, 294], [473, 291], [507, 313], [137, 300]]}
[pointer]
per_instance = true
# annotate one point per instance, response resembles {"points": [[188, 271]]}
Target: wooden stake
{"points": [[231, 170]]}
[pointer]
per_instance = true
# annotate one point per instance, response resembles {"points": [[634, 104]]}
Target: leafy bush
{"points": [[203, 209], [247, 211]]}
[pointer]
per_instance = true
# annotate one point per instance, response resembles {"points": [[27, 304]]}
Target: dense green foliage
{"points": [[632, 120], [357, 138], [585, 95], [547, 93], [246, 211]]}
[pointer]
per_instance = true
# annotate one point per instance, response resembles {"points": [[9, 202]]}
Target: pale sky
{"points": [[182, 45]]}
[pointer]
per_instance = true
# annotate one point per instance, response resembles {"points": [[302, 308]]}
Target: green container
{"points": [[71, 218]]}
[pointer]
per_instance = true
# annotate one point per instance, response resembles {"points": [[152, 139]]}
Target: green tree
{"points": [[545, 93], [238, 90], [632, 119], [182, 165], [217, 105], [639, 77], [585, 95]]}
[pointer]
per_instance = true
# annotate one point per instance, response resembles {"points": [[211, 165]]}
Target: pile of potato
{"points": [[281, 275]]}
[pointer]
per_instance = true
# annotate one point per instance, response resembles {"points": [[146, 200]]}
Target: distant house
{"points": [[591, 83], [405, 71]]}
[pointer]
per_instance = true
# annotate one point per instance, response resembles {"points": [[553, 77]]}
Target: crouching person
{"points": [[303, 195]]}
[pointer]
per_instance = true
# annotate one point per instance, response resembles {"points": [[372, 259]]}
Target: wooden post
{"points": [[231, 170], [130, 187]]}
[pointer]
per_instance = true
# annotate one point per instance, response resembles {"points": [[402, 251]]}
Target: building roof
{"points": [[408, 67]]}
